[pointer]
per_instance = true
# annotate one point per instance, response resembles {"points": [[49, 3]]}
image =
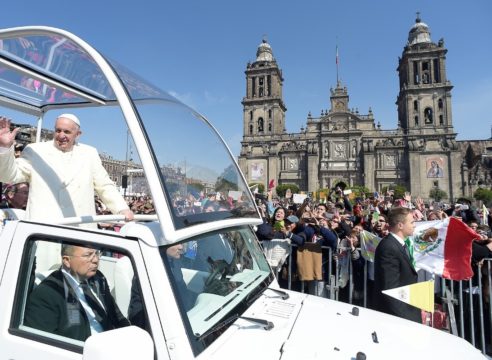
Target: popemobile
{"points": [[193, 284]]}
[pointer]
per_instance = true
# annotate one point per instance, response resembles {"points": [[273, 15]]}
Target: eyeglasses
{"points": [[90, 256]]}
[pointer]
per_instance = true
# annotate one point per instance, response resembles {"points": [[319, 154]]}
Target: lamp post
{"points": [[348, 152], [124, 179]]}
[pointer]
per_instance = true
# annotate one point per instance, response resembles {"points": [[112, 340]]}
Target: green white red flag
{"points": [[444, 248]]}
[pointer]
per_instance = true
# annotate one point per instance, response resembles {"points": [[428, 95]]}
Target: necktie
{"points": [[94, 303], [409, 250]]}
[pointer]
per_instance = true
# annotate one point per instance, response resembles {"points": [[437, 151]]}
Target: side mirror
{"points": [[129, 342]]}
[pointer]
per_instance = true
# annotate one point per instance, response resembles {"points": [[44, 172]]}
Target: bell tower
{"points": [[432, 157], [424, 99], [263, 106]]}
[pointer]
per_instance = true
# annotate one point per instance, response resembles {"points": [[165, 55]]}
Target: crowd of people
{"points": [[325, 235], [198, 202]]}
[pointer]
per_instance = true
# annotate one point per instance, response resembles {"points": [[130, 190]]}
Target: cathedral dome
{"points": [[419, 33], [264, 52]]}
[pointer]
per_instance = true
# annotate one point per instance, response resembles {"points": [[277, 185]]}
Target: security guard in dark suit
{"points": [[393, 267], [74, 301]]}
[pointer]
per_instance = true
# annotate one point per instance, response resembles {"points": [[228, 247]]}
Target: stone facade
{"points": [[343, 145]]}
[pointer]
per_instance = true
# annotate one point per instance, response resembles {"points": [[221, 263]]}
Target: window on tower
{"points": [[251, 129], [260, 86], [416, 74], [269, 85], [441, 120], [440, 104], [250, 115], [260, 125], [425, 72], [270, 113], [428, 115], [269, 127], [437, 71], [415, 105], [416, 121], [253, 87]]}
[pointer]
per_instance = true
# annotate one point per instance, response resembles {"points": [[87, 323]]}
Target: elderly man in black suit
{"points": [[74, 301], [393, 267]]}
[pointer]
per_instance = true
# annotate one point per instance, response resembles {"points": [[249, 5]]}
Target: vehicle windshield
{"points": [[214, 277], [202, 182]]}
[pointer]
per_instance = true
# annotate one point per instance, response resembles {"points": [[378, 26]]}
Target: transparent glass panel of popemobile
{"points": [[60, 59], [47, 70], [201, 179], [215, 276]]}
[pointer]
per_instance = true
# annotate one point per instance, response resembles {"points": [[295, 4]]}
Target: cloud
{"points": [[207, 98], [186, 98], [212, 99]]}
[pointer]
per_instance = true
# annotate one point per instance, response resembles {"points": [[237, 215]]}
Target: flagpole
{"points": [[336, 60]]}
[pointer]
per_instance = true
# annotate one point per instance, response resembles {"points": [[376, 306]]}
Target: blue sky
{"points": [[198, 50]]}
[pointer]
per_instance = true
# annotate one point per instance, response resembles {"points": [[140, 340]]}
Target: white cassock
{"points": [[61, 184]]}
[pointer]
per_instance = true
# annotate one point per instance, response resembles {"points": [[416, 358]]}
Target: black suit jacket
{"points": [[54, 307], [392, 269]]}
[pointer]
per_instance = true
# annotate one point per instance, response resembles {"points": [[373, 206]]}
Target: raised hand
{"points": [[7, 137]]}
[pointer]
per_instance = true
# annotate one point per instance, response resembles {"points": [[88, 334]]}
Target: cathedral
{"points": [[341, 144]]}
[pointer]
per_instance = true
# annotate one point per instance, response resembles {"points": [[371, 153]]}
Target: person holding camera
{"points": [[465, 212], [349, 252], [341, 197]]}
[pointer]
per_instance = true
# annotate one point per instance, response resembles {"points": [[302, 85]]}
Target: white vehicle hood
{"points": [[310, 327]]}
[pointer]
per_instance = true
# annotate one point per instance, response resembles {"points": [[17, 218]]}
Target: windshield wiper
{"points": [[217, 327], [267, 325], [283, 294]]}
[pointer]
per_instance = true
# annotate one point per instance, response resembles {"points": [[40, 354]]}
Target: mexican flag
{"points": [[444, 248]]}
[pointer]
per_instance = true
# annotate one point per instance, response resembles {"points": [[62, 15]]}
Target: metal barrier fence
{"points": [[470, 299]]}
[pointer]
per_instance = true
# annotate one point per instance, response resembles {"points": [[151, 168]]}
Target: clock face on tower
{"points": [[339, 105]]}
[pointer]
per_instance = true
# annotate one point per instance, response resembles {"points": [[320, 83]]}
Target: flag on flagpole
{"points": [[444, 248], [420, 295], [369, 242]]}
